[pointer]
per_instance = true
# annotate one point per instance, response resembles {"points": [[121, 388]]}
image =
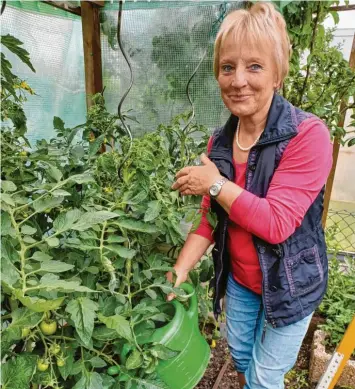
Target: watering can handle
{"points": [[193, 303]]}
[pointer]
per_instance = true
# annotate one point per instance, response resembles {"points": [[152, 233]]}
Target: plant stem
{"points": [[107, 357], [310, 53], [43, 341], [22, 251]]}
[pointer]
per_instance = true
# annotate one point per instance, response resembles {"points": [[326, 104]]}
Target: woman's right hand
{"points": [[181, 276]]}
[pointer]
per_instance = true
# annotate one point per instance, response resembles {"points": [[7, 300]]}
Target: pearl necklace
{"points": [[237, 141]]}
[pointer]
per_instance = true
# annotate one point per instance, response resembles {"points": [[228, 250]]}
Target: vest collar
{"points": [[280, 124]]}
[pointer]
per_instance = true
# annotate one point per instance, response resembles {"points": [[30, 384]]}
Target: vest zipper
{"points": [[221, 262], [261, 267], [264, 331]]}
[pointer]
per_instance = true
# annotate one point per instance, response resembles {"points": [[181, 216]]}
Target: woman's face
{"points": [[247, 77]]}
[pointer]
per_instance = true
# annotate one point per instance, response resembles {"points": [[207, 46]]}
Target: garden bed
{"points": [[320, 358], [297, 378]]}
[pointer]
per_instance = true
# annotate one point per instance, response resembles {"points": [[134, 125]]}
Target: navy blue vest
{"points": [[295, 272]]}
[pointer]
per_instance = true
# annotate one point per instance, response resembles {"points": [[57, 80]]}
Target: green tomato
{"points": [[25, 332], [48, 327], [60, 362], [42, 365], [113, 370], [54, 349]]}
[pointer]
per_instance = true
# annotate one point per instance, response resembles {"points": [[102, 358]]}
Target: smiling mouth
{"points": [[239, 98]]}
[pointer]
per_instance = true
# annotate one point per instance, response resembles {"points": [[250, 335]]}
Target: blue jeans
{"points": [[263, 353]]}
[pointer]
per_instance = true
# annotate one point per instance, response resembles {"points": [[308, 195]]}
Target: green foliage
{"points": [[297, 379], [338, 305], [320, 79], [13, 89], [82, 247], [200, 278]]}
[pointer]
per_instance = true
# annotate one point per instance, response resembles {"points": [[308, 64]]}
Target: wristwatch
{"points": [[216, 188]]}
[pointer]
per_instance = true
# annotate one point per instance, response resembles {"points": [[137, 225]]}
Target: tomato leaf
{"points": [[89, 219], [5, 197], [40, 256], [9, 274], [38, 304], [82, 178], [154, 208], [53, 241], [104, 334], [28, 230], [135, 360], [55, 266], [89, 381], [116, 239], [122, 251], [21, 318], [47, 203], [8, 186], [136, 225], [162, 352], [68, 354], [17, 373], [118, 323], [97, 362], [60, 192], [53, 172], [82, 312]]}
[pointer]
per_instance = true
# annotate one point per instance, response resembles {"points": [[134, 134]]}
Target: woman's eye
{"points": [[255, 66], [226, 68]]}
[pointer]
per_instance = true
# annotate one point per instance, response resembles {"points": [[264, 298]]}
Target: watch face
{"points": [[214, 190]]}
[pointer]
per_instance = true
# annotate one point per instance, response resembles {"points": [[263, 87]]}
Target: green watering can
{"points": [[182, 334]]}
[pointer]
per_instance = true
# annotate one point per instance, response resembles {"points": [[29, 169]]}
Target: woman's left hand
{"points": [[197, 180]]}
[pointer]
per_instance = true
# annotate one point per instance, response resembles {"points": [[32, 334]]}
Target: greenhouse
{"points": [[177, 207]]}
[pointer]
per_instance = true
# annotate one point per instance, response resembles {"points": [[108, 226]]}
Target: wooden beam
{"points": [[65, 7], [92, 49], [336, 147], [221, 374], [339, 8], [98, 3]]}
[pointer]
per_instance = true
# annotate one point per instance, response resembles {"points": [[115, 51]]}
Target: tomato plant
{"points": [[84, 252]]}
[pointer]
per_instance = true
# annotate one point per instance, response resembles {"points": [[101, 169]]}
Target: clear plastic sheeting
{"points": [[54, 43], [165, 42]]}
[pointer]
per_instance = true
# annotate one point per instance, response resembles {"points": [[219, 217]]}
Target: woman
{"points": [[264, 178]]}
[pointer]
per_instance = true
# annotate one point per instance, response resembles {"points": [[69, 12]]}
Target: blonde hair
{"points": [[262, 21]]}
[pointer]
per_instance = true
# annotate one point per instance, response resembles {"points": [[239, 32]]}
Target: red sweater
{"points": [[300, 176]]}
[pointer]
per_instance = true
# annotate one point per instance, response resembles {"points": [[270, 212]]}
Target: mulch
{"points": [[220, 355]]}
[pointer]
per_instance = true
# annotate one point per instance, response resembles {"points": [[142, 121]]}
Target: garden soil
{"points": [[298, 379]]}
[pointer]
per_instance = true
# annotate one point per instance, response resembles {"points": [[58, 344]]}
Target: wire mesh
{"points": [[341, 226], [165, 42], [54, 43]]}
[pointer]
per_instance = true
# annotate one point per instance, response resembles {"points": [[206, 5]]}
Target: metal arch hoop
{"points": [[215, 25], [3, 5], [119, 24]]}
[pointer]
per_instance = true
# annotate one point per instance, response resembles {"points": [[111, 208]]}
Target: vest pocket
{"points": [[304, 271]]}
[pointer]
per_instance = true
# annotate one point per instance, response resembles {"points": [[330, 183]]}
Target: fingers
{"points": [[169, 276], [187, 193], [181, 277], [170, 297], [204, 159], [180, 182], [184, 172]]}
